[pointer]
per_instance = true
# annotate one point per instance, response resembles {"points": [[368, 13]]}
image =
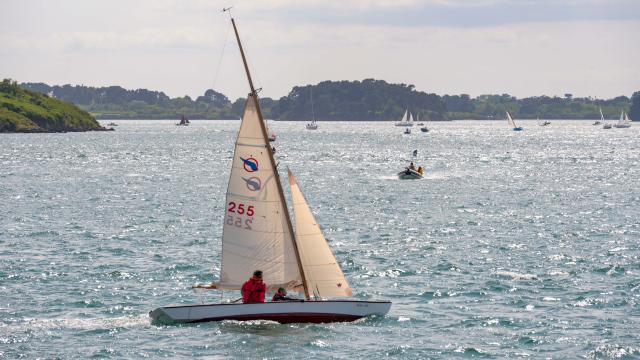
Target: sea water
{"points": [[516, 244]]}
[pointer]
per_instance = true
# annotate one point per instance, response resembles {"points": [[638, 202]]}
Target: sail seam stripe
{"points": [[261, 231], [261, 259], [252, 145]]}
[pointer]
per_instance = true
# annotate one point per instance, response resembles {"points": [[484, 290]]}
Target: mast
{"points": [[254, 94]]}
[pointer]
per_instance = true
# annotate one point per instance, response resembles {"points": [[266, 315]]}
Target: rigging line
{"points": [[224, 46]]}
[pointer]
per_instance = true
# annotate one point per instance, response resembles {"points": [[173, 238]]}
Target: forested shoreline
{"points": [[24, 111], [366, 100]]}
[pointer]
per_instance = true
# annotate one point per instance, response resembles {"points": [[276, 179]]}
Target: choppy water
{"points": [[515, 245]]}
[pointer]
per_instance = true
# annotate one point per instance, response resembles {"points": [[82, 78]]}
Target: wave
{"points": [[517, 276]]}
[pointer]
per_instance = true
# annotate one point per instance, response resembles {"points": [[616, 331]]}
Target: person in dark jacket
{"points": [[254, 289], [281, 295]]}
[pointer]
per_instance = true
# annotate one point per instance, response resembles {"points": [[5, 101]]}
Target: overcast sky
{"points": [[520, 47]]}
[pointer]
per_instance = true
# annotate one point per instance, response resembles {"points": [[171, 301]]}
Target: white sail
{"points": [[256, 235], [626, 117], [601, 116], [404, 117], [510, 120], [410, 118], [322, 272], [621, 120]]}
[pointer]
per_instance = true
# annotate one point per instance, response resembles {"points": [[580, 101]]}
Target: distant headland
{"points": [[29, 112], [366, 100]]}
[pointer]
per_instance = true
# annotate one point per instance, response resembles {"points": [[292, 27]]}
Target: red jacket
{"points": [[253, 291]]}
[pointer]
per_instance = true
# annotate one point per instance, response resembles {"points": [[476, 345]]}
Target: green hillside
{"points": [[26, 111]]}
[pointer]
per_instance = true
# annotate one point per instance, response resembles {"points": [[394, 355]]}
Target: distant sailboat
{"points": [[544, 123], [406, 120], [512, 123], [601, 118], [183, 121], [605, 125], [312, 125], [623, 122], [258, 234]]}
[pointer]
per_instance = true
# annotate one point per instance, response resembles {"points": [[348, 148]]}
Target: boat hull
{"points": [[282, 312], [409, 175], [622, 126], [517, 129]]}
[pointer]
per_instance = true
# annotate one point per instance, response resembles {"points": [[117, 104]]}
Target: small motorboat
{"points": [[408, 174], [407, 131], [112, 124], [596, 122], [424, 129], [606, 126], [272, 137], [312, 125]]}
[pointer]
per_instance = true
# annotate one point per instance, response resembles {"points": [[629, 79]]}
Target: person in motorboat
{"points": [[412, 167], [254, 289], [281, 295], [420, 170]]}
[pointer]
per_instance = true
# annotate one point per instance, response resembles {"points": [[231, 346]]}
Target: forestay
{"points": [[322, 272], [255, 232]]}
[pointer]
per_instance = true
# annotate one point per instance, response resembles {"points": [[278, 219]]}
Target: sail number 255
{"points": [[239, 209]]}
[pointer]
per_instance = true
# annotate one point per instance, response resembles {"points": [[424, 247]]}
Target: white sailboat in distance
{"points": [[312, 125], [407, 119], [258, 235], [623, 122]]}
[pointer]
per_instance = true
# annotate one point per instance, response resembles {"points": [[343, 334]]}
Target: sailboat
{"points": [[544, 123], [406, 120], [423, 128], [605, 125], [623, 122], [258, 235], [183, 121], [512, 123], [272, 135], [601, 118], [312, 125]]}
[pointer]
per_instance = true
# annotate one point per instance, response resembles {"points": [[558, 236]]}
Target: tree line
{"points": [[369, 99]]}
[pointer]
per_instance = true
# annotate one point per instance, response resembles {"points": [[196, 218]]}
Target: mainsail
{"points": [[256, 233], [510, 120], [404, 117], [322, 273]]}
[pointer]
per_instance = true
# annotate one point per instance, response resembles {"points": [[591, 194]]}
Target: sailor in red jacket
{"points": [[253, 290]]}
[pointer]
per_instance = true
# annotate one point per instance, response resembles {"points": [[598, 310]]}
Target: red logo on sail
{"points": [[250, 164]]}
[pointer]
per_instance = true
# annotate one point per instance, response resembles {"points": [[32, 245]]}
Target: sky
{"points": [[183, 47]]}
